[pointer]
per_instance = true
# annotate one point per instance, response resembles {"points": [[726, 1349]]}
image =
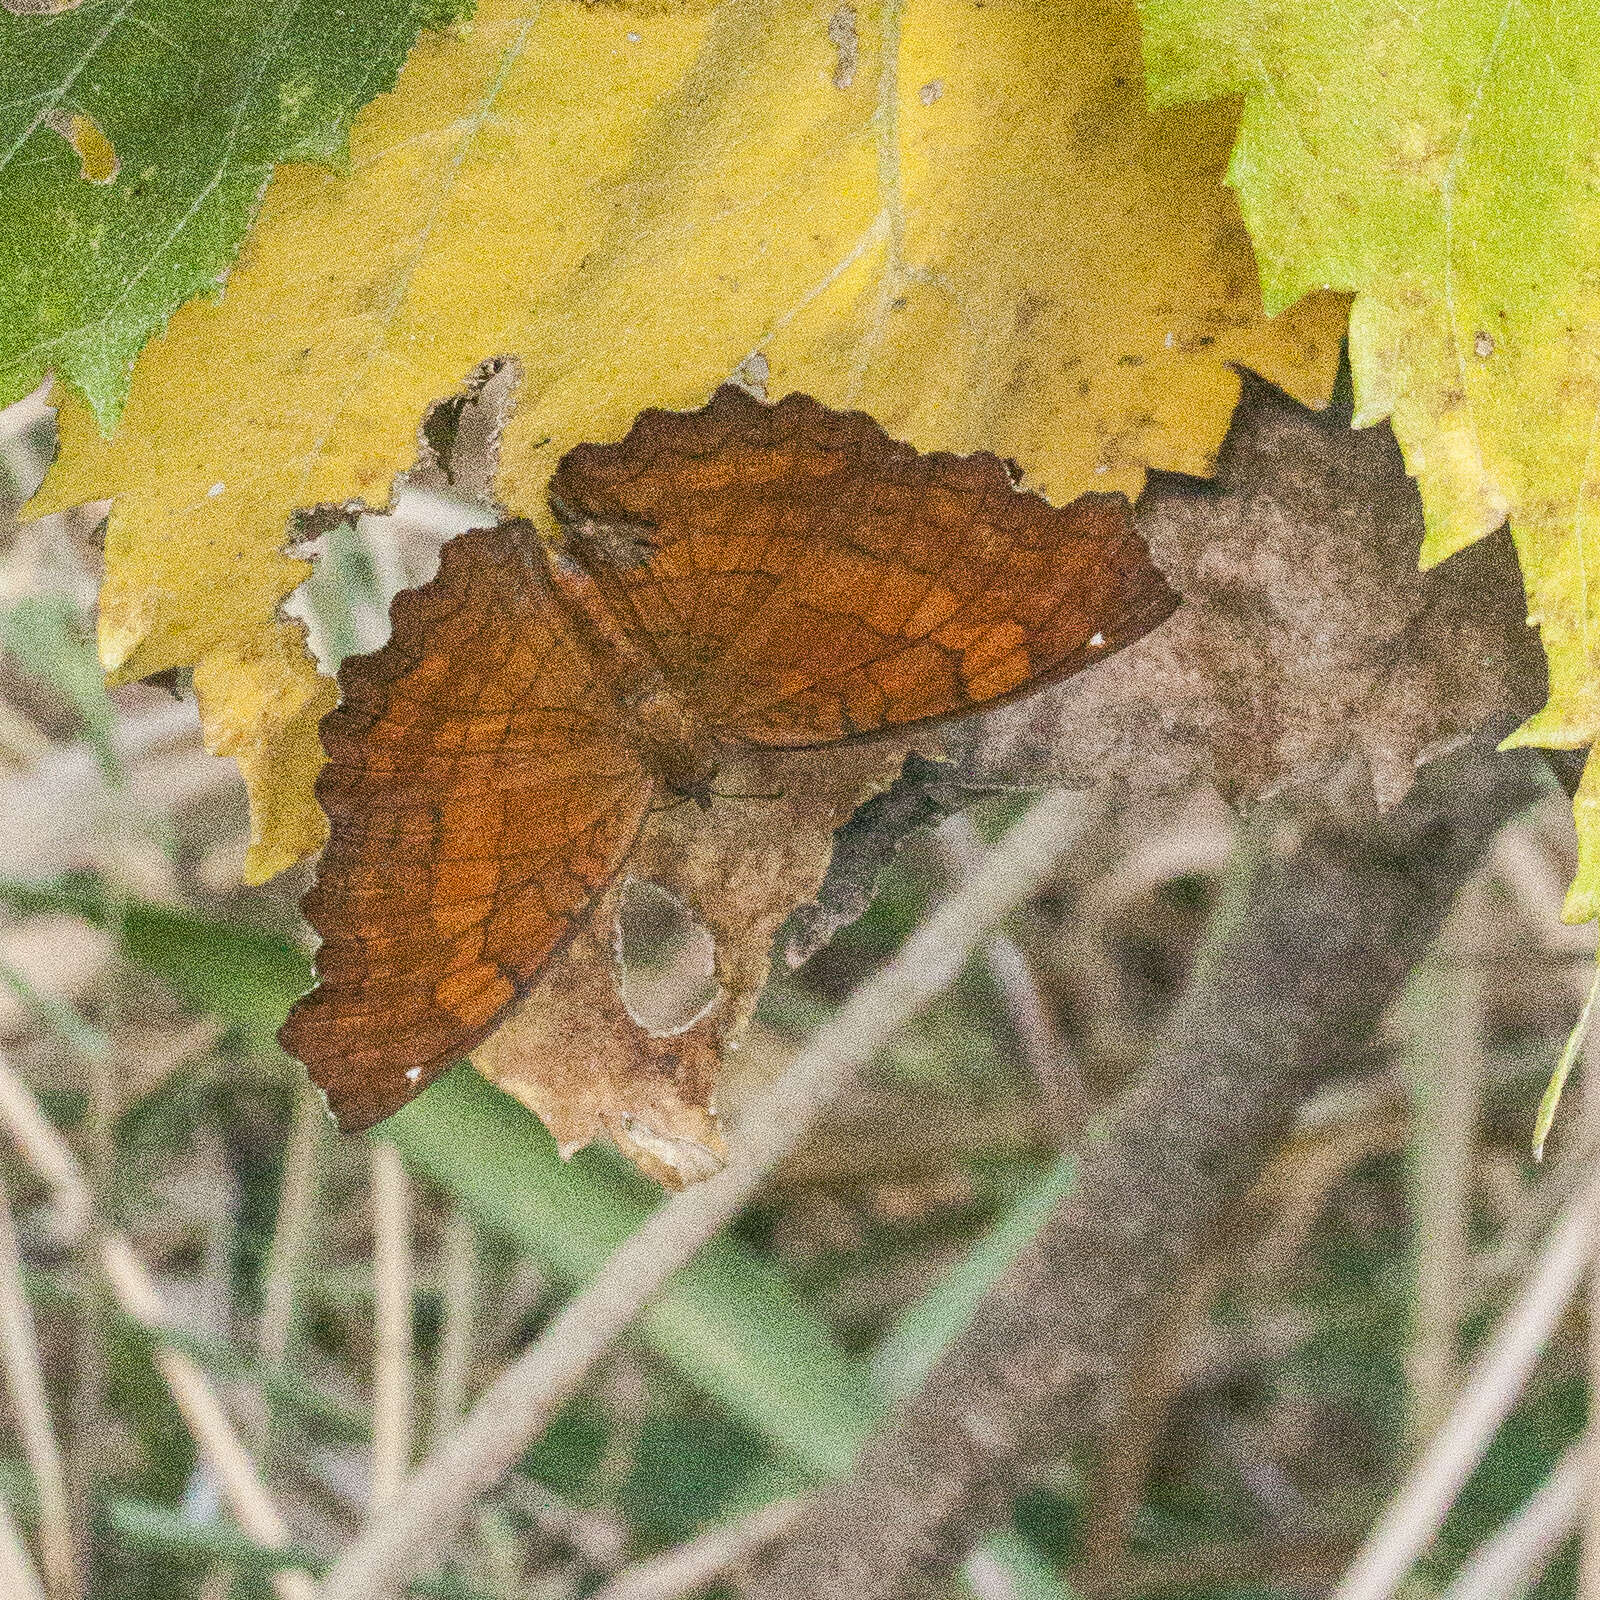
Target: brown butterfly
{"points": [[783, 576]]}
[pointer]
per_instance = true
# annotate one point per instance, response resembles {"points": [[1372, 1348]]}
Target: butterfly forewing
{"points": [[805, 578]]}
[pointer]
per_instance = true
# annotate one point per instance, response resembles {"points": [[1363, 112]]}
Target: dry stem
{"points": [[694, 1566], [1420, 1505], [291, 1236], [18, 1579], [131, 1286], [19, 1351], [458, 1289], [1322, 916], [1589, 1509], [1443, 1057], [391, 1289], [1044, 1048], [1518, 1553]]}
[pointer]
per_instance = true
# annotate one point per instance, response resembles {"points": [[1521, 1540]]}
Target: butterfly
{"points": [[783, 576]]}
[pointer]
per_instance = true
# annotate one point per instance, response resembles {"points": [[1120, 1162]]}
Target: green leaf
{"points": [[247, 979], [136, 137], [1024, 1573], [59, 1015], [164, 1531], [730, 1322], [47, 637], [1550, 1101]]}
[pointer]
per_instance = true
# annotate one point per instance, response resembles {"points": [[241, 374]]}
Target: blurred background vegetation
{"points": [[140, 988]]}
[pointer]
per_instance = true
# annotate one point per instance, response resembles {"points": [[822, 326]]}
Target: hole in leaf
{"points": [[362, 559], [666, 971]]}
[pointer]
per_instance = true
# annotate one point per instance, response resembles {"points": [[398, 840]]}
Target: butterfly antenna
{"points": [[720, 794], [669, 805]]}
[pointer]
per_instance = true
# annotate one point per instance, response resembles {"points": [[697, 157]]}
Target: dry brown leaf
{"points": [[1307, 635], [574, 1054]]}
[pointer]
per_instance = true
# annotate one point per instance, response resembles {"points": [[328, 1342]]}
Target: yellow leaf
{"points": [[961, 219], [1443, 161]]}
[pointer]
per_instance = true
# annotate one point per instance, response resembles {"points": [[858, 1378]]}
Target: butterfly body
{"points": [[746, 576], [673, 746]]}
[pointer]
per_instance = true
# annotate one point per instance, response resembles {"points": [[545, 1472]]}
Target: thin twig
{"points": [[19, 1351], [1589, 1567], [391, 1291], [1044, 1047], [59, 813], [285, 1267], [222, 1229], [1319, 921], [89, 1412], [203, 1413], [1117, 1486], [1525, 865], [1375, 1118], [1194, 842], [1303, 1564], [1520, 1551], [597, 1538], [42, 1147], [1589, 1508], [1506, 1260], [694, 1566], [516, 1408], [213, 1314], [458, 1290], [18, 1578], [134, 1292], [291, 1236], [1443, 1060], [1419, 1507]]}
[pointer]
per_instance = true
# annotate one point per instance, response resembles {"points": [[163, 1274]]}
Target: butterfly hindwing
{"points": [[478, 798]]}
